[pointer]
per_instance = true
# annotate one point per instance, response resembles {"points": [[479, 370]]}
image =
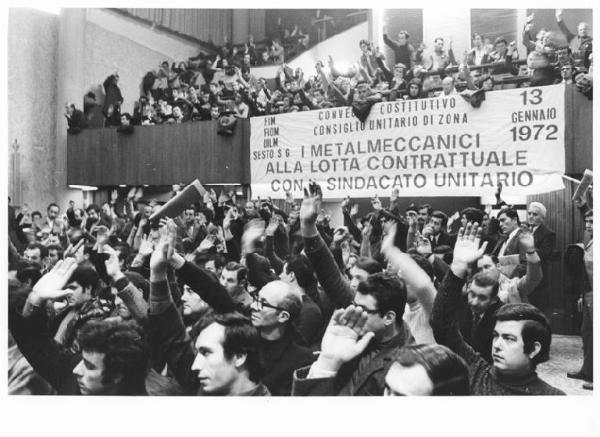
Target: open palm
{"points": [[344, 338], [51, 285]]}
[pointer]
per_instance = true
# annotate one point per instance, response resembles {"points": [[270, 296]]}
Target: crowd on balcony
{"points": [[207, 87]]}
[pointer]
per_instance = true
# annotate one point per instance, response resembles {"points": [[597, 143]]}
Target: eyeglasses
{"points": [[261, 302], [366, 310]]}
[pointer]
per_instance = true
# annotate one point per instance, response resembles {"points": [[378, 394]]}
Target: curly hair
{"points": [[125, 352]]}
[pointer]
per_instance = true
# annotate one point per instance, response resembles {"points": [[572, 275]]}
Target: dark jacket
{"points": [[480, 338], [280, 358], [514, 247], [363, 376], [545, 242], [52, 362], [483, 378]]}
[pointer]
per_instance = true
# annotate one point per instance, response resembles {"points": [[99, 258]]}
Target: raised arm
{"points": [[166, 331], [413, 275], [336, 287], [30, 328], [533, 274], [443, 317]]}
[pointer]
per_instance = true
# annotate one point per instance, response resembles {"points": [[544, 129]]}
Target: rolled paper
{"points": [[193, 193], [586, 181]]}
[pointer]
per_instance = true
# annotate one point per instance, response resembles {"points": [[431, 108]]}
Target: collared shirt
{"points": [[508, 240]]}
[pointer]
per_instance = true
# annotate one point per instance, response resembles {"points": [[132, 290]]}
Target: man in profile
{"points": [[521, 338]]}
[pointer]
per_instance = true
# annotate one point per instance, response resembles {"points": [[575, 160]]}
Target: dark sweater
{"points": [[484, 380]]}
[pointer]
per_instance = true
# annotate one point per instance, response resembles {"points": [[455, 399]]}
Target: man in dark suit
{"points": [[545, 241], [438, 235], [508, 243], [477, 312]]}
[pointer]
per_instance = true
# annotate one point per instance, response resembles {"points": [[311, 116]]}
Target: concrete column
{"points": [[70, 85]]}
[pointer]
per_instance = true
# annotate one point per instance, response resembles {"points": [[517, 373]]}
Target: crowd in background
{"points": [[235, 297], [207, 87]]}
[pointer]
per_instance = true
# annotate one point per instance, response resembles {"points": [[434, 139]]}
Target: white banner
{"points": [[428, 147]]}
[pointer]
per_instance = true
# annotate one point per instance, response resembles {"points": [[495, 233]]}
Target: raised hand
{"points": [[289, 199], [311, 205], [354, 210], [376, 203], [526, 239], [131, 194], [395, 195], [559, 13], [427, 230], [253, 231], [345, 202], [272, 228], [139, 193], [466, 249], [387, 244], [367, 230], [112, 263], [146, 246], [424, 246], [51, 285], [345, 338], [206, 244]]}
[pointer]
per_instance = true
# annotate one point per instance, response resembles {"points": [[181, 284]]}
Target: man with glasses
{"points": [[271, 310], [381, 299]]}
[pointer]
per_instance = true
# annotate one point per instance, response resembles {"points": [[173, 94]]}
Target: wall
{"points": [[32, 63], [106, 52], [342, 47]]}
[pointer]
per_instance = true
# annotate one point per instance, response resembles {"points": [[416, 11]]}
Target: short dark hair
{"points": [[423, 206], [28, 270], [440, 215], [472, 215], [53, 204], [58, 249], [242, 272], [500, 40], [448, 372], [86, 276], [303, 270], [43, 249], [511, 214], [36, 213], [535, 328], [388, 290], [124, 348], [240, 337], [94, 207], [369, 265], [487, 279]]}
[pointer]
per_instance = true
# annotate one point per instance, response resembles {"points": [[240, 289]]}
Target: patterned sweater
{"points": [[484, 380]]}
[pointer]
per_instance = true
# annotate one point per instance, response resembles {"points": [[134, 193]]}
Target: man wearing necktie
{"points": [[509, 244]]}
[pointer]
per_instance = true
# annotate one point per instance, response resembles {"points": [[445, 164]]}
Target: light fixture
{"points": [[83, 187]]}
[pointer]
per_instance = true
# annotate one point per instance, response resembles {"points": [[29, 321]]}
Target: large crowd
{"points": [[207, 87], [235, 297]]}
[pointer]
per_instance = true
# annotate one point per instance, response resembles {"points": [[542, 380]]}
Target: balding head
{"points": [[284, 295]]}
